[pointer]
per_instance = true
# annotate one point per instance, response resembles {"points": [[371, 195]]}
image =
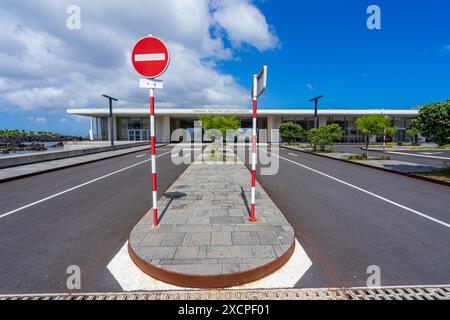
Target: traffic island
{"points": [[205, 238]]}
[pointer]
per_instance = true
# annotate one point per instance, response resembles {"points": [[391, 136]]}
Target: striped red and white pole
{"points": [[153, 157], [254, 148]]}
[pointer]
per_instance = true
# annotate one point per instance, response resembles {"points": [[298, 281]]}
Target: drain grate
{"points": [[391, 293]]}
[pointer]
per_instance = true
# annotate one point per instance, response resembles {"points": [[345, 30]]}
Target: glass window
{"points": [[134, 123], [122, 128]]}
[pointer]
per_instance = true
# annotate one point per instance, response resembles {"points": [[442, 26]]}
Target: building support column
{"points": [[91, 130], [322, 121], [273, 122], [163, 129]]}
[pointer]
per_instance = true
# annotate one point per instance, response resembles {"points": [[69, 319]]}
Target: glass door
{"points": [[131, 135], [137, 135]]}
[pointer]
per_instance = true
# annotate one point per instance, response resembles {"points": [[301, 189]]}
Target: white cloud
{"points": [[447, 47], [310, 86], [37, 120], [63, 120], [244, 23], [45, 66]]}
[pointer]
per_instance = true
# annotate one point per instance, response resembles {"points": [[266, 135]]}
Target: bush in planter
{"points": [[290, 131], [324, 136]]}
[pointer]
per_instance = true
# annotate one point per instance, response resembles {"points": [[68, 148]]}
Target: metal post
{"points": [[254, 147], [153, 152], [316, 119], [111, 131], [110, 126], [316, 106]]}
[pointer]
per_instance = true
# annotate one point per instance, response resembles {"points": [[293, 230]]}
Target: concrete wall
{"points": [[19, 160]]}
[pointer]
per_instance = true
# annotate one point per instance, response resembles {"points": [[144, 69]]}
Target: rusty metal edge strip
{"points": [[211, 282]]}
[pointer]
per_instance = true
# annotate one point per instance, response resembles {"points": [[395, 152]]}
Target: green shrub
{"points": [[324, 136], [291, 131]]}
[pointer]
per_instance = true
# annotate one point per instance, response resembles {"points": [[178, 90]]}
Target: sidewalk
{"points": [[205, 239], [13, 173], [395, 165]]}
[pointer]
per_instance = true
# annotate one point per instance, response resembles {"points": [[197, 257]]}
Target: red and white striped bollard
{"points": [[153, 157], [254, 148]]}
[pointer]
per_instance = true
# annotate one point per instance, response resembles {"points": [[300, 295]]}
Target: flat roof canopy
{"points": [[103, 112]]}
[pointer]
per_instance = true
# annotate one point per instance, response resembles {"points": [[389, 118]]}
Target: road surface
{"points": [[86, 226], [346, 217]]}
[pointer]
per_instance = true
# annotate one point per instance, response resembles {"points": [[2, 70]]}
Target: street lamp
{"points": [[110, 127], [316, 103]]}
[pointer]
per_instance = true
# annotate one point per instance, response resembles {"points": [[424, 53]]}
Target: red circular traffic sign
{"points": [[150, 57]]}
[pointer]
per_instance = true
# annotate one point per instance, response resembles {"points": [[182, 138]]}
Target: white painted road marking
{"points": [[293, 154], [140, 156], [131, 278], [365, 191], [417, 155], [76, 187], [150, 57], [431, 153]]}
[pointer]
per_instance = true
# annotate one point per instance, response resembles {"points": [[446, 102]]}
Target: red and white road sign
{"points": [[150, 57]]}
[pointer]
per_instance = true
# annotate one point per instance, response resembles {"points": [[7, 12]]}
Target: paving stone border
{"points": [[205, 238]]}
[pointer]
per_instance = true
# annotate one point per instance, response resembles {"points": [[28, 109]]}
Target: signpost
{"points": [[150, 59], [258, 88]]}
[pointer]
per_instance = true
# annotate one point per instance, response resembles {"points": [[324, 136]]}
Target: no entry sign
{"points": [[150, 57]]}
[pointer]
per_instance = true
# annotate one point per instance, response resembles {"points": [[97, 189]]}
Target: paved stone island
{"points": [[205, 238]]}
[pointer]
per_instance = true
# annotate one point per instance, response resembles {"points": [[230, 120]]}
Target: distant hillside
{"points": [[22, 136]]}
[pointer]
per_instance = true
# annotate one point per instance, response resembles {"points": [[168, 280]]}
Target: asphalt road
{"points": [[83, 215], [344, 218], [425, 157], [86, 226]]}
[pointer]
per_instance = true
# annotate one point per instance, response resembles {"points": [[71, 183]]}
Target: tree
{"points": [[370, 125], [434, 121], [221, 123], [324, 136], [414, 133], [291, 131], [389, 132]]}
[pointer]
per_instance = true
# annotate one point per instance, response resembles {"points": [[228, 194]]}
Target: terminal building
{"points": [[133, 124]]}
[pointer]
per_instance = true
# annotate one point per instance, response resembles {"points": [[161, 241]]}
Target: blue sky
{"points": [[312, 47]]}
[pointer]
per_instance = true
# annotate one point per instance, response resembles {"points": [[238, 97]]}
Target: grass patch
{"points": [[428, 148], [363, 158], [326, 151], [217, 156], [295, 144], [439, 174]]}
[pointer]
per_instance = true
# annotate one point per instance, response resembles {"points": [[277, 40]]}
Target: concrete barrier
{"points": [[19, 160]]}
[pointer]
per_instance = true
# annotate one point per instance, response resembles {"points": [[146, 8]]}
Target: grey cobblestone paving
{"points": [[204, 227]]}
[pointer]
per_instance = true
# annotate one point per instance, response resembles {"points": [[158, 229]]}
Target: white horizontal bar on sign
{"points": [[150, 57]]}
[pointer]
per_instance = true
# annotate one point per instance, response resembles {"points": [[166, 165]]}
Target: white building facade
{"points": [[133, 124]]}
